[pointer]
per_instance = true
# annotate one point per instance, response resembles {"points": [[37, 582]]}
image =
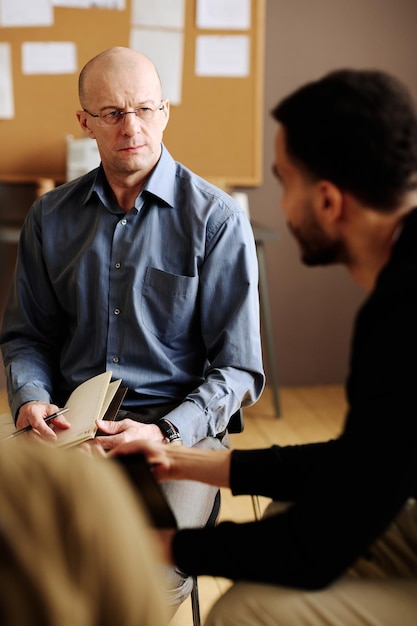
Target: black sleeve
{"points": [[340, 510], [279, 473]]}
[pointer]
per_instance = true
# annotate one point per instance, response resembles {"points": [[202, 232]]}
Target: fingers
{"points": [[61, 422], [106, 443], [130, 447], [33, 414], [92, 449], [128, 430], [114, 433], [110, 427], [154, 453]]}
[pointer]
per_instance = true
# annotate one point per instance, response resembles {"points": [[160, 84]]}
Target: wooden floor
{"points": [[308, 414]]}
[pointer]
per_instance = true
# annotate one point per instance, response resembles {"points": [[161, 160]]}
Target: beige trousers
{"points": [[380, 590]]}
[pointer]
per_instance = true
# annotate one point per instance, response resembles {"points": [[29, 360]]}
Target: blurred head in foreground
{"points": [[75, 547]]}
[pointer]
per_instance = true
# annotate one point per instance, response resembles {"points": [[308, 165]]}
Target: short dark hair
{"points": [[356, 128]]}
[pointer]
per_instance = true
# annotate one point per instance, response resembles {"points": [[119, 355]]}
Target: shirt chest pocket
{"points": [[169, 303]]}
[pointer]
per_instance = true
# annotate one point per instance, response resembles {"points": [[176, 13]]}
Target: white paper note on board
{"points": [[50, 57], [72, 4], [88, 4], [159, 13], [165, 49], [222, 55], [223, 14], [17, 13], [6, 83]]}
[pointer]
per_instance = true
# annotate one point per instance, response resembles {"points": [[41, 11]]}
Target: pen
{"points": [[46, 420]]}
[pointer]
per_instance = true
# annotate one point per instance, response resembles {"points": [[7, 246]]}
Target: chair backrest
{"points": [[236, 422], [17, 194]]}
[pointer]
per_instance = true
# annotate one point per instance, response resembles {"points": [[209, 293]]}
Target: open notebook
{"points": [[93, 399], [96, 398]]}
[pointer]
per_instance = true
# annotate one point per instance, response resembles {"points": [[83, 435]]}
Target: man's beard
{"points": [[315, 246]]}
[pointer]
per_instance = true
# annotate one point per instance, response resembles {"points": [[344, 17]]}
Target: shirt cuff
{"points": [[191, 422]]}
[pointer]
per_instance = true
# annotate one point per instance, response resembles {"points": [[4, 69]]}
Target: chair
{"points": [[195, 602], [235, 426], [17, 193]]}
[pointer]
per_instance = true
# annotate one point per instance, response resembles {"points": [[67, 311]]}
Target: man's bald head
{"points": [[118, 59]]}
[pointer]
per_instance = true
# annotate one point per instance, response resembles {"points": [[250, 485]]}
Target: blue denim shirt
{"points": [[164, 295]]}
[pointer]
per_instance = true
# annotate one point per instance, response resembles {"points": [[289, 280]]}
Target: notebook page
{"points": [[85, 405]]}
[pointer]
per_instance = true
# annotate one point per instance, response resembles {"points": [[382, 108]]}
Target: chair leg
{"points": [[195, 603], [256, 507]]}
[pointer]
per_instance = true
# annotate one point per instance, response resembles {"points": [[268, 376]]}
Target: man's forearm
{"points": [[170, 462], [207, 466]]}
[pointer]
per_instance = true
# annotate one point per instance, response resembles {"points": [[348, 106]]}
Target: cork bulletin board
{"points": [[216, 130]]}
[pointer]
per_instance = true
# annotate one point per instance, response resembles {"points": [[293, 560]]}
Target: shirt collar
{"points": [[97, 185], [160, 184]]}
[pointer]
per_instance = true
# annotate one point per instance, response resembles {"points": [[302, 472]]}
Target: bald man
{"points": [[142, 268]]}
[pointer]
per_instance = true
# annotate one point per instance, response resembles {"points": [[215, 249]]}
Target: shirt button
{"points": [[116, 311], [115, 359], [123, 222], [117, 265]]}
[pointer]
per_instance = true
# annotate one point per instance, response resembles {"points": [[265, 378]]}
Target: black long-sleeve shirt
{"points": [[345, 491]]}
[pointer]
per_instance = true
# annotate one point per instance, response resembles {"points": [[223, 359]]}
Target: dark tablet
{"points": [[140, 475]]}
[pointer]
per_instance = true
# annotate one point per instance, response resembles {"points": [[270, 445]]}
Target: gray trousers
{"points": [[192, 503], [380, 590]]}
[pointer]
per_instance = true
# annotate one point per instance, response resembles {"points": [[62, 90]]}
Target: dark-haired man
{"points": [[345, 549]]}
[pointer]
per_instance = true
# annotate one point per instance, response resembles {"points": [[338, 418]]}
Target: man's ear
{"points": [[328, 202], [166, 114], [83, 120]]}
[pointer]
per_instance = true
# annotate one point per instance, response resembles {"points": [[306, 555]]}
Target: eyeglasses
{"points": [[113, 117]]}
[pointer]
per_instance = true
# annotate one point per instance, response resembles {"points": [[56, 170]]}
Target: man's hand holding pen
{"points": [[35, 416]]}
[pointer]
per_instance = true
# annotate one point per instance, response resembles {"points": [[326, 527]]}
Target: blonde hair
{"points": [[75, 547]]}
